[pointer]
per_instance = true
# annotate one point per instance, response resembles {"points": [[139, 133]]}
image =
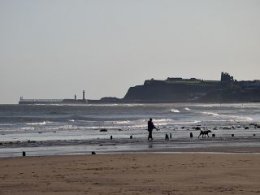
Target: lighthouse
{"points": [[84, 98]]}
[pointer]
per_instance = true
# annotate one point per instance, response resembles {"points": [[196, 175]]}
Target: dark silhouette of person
{"points": [[150, 129]]}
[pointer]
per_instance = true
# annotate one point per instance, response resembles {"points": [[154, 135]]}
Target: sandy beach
{"points": [[140, 173], [58, 144]]}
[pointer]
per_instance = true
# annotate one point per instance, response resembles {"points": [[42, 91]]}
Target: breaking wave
{"points": [[211, 114], [175, 111], [230, 117], [39, 123], [241, 118]]}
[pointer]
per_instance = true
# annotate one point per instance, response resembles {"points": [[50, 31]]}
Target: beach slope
{"points": [[143, 173]]}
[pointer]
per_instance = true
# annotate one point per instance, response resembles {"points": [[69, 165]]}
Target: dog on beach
{"points": [[204, 132]]}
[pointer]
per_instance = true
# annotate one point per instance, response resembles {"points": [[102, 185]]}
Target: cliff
{"points": [[194, 90]]}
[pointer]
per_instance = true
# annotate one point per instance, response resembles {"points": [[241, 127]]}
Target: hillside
{"points": [[195, 90]]}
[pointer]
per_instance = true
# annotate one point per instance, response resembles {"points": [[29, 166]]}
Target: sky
{"points": [[57, 48]]}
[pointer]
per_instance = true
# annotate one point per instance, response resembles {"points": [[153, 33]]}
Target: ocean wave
{"points": [[122, 122], [229, 117], [6, 124], [241, 118], [39, 123], [163, 120], [175, 110], [132, 105], [101, 105], [187, 109], [229, 105], [211, 114], [28, 128], [141, 126]]}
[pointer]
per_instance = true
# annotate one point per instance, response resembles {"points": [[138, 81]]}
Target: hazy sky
{"points": [[56, 48]]}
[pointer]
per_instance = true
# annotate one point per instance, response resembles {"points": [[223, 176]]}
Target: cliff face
{"points": [[193, 90], [160, 91]]}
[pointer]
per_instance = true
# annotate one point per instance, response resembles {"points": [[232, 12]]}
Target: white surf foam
{"points": [[211, 114], [122, 122], [175, 110], [240, 118], [39, 123], [230, 117]]}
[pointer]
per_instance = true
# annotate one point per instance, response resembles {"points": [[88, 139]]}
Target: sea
{"points": [[45, 125]]}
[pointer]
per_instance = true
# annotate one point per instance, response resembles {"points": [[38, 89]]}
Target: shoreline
{"points": [[116, 146]]}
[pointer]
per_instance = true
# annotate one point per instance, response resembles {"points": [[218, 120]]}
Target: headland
{"points": [[174, 90]]}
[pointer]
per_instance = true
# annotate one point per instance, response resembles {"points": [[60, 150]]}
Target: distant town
{"points": [[176, 89]]}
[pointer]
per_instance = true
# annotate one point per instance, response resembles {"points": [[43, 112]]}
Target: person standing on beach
{"points": [[150, 129]]}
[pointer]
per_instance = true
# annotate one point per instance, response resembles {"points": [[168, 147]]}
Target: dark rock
{"points": [[103, 130]]}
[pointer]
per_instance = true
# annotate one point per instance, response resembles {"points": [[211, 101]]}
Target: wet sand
{"points": [[140, 173], [104, 146]]}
